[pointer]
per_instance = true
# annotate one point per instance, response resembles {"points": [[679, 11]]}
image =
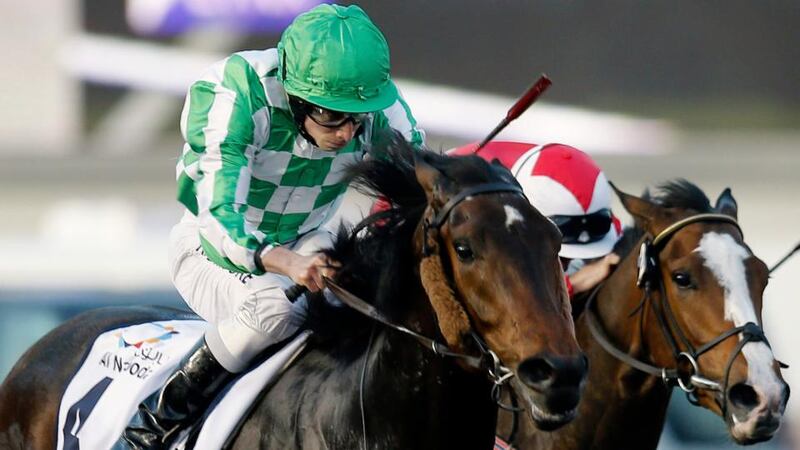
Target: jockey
{"points": [[268, 136], [568, 187]]}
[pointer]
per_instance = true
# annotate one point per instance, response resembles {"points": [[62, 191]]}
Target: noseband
{"points": [[686, 374]]}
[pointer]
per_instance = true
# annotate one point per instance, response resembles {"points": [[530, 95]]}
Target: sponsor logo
{"points": [[134, 365], [138, 356], [167, 333]]}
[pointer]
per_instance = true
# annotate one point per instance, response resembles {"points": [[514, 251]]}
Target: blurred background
{"points": [[92, 92]]}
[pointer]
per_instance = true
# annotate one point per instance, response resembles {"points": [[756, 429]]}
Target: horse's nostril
{"points": [[786, 392], [743, 396], [548, 371], [535, 372]]}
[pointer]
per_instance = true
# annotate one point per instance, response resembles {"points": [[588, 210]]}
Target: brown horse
{"points": [[461, 257], [690, 318]]}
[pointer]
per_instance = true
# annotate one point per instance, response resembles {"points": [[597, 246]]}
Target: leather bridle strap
{"points": [[489, 361], [667, 233], [664, 314], [670, 377], [486, 188], [750, 333], [600, 336], [497, 372], [688, 381]]}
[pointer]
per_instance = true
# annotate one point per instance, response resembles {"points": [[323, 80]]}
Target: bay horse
{"points": [[461, 257], [689, 318]]}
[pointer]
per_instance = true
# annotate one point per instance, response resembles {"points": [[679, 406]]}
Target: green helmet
{"points": [[335, 57]]}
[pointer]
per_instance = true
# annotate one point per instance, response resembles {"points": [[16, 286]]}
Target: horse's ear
{"points": [[504, 172], [429, 177], [643, 211], [726, 204]]}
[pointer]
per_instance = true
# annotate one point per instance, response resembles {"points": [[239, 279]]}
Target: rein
{"points": [[356, 303], [686, 373], [497, 373], [488, 360]]}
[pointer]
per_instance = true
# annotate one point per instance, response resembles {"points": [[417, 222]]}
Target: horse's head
{"points": [[499, 256], [710, 289]]}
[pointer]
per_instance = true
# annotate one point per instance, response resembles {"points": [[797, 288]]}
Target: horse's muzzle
{"points": [[556, 384], [754, 417]]}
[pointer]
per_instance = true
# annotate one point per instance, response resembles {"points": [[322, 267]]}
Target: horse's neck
{"points": [[397, 351], [409, 396], [624, 408], [434, 403]]}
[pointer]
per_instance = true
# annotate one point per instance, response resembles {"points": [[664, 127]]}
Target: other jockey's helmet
{"points": [[566, 185], [334, 56]]}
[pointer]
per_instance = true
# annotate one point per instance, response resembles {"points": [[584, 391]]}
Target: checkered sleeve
{"points": [[218, 125], [399, 117]]}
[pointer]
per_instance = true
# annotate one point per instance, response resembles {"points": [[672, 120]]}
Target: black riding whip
{"points": [[783, 260], [518, 108]]}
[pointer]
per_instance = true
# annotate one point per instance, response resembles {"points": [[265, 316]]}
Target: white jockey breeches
{"points": [[248, 312]]}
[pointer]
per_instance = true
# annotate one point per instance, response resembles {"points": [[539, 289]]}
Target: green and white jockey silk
{"points": [[335, 57], [247, 173]]}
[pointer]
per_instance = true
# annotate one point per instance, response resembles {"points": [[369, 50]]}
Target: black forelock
{"points": [[680, 193], [677, 193]]}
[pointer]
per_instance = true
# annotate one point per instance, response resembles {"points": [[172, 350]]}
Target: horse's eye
{"points": [[463, 251], [682, 279]]}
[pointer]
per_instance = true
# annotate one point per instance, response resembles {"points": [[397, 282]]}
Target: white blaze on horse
{"points": [[687, 316]]}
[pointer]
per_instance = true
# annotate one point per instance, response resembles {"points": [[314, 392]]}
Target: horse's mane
{"points": [[677, 193], [377, 254]]}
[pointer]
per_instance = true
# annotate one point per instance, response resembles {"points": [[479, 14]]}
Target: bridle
{"points": [[686, 373], [498, 373], [488, 361]]}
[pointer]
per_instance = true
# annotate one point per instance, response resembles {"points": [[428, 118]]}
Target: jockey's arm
{"points": [[398, 116], [218, 125], [592, 274]]}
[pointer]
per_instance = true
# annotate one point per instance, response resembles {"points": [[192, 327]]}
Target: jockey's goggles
{"points": [[333, 119], [327, 118], [583, 229]]}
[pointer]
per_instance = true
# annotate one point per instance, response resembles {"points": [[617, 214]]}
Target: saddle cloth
{"points": [[126, 365], [500, 444]]}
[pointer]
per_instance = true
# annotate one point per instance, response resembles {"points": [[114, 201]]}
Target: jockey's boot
{"points": [[183, 399]]}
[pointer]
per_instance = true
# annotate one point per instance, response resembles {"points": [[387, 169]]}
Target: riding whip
{"points": [[518, 108], [783, 260]]}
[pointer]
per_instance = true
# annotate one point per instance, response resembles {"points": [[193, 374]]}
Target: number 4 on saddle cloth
{"points": [[126, 365]]}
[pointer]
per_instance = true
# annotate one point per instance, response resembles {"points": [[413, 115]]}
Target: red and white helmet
{"points": [[567, 186]]}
